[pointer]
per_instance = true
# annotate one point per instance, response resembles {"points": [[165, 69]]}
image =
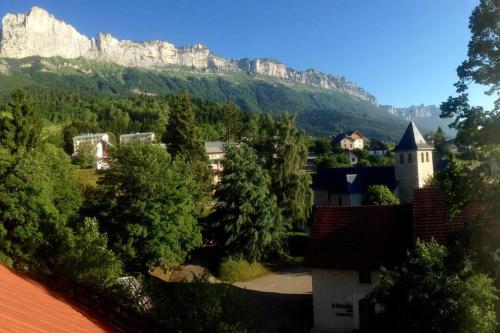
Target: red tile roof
{"points": [[371, 236], [27, 306], [358, 237]]}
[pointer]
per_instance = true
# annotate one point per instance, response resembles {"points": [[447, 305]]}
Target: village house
{"points": [[215, 153], [346, 186], [377, 148], [350, 140], [348, 245], [142, 137], [99, 143]]}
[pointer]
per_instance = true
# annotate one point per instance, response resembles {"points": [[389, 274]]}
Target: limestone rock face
{"points": [[39, 33], [414, 111]]}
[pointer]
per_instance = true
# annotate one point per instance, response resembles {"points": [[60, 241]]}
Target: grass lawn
{"points": [[161, 273], [86, 178]]}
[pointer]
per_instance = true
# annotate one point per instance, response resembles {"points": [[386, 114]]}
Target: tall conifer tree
{"points": [[182, 134], [246, 210]]}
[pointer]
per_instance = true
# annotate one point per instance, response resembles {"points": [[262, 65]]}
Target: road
{"points": [[283, 300]]}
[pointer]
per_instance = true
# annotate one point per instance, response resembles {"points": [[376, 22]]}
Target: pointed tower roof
{"points": [[412, 139]]}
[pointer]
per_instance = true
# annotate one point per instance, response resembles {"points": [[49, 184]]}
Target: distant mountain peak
{"points": [[39, 33]]}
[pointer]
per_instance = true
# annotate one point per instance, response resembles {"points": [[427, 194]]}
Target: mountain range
{"points": [[37, 49]]}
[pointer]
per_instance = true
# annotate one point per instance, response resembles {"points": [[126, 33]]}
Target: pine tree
{"points": [[182, 134], [248, 216]]}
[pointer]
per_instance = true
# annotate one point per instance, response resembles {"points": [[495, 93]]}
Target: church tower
{"points": [[413, 163]]}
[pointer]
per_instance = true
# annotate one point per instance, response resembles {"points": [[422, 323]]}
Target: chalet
{"points": [[215, 153], [141, 137], [350, 140], [348, 245]]}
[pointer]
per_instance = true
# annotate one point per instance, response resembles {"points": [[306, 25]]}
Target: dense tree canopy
{"points": [[474, 179], [286, 159], [20, 126], [476, 125], [38, 197], [145, 204], [432, 293]]}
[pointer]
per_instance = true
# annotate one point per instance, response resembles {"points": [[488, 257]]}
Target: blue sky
{"points": [[402, 51]]}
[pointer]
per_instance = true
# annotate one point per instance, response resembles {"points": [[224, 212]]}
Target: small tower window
{"points": [[401, 159], [427, 156], [409, 157], [340, 201], [422, 155]]}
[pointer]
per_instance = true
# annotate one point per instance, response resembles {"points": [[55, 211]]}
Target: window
{"points": [[401, 158], [409, 157], [422, 155], [365, 276], [340, 201], [427, 156]]}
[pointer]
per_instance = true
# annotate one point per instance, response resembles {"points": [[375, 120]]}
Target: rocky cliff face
{"points": [[39, 33], [414, 111]]}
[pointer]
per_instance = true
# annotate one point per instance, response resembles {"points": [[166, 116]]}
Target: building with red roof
{"points": [[348, 245]]}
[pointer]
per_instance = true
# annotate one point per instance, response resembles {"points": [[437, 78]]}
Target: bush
{"points": [[380, 195], [5, 260], [199, 306], [240, 270]]}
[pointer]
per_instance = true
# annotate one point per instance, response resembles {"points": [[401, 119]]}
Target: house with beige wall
{"points": [[350, 140], [349, 245]]}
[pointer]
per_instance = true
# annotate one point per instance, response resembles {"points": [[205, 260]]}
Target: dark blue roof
{"points": [[340, 137], [412, 139], [355, 179]]}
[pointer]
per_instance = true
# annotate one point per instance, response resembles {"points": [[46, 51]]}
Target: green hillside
{"points": [[320, 111]]}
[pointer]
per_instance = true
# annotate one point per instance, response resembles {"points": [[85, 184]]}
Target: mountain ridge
{"points": [[39, 33]]}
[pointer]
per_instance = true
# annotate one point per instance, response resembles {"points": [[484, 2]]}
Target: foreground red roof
{"points": [[27, 306]]}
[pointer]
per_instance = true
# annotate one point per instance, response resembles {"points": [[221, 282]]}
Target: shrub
{"points": [[380, 195], [199, 306], [240, 270], [6, 260]]}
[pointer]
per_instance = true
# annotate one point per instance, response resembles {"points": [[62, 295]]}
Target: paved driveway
{"points": [[283, 300]]}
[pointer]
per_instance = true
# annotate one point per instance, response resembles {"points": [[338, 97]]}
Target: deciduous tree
{"points": [[432, 293], [145, 205]]}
